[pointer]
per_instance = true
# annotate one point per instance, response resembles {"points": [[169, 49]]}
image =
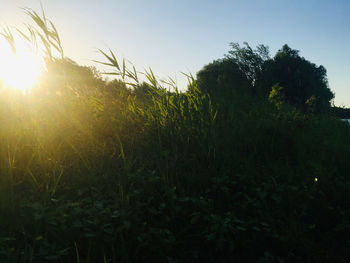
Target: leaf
{"points": [[112, 59], [38, 238]]}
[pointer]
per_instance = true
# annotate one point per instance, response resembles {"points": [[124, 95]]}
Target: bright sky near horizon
{"points": [[182, 36]]}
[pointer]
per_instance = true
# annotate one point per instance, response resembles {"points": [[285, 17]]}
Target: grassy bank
{"points": [[93, 173]]}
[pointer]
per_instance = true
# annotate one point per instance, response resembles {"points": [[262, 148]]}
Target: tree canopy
{"points": [[244, 69], [221, 77], [300, 78], [249, 61]]}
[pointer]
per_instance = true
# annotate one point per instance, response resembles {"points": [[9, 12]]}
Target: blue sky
{"points": [[182, 36]]}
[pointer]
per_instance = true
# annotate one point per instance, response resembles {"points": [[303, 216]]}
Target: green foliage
{"points": [[245, 70], [249, 61], [276, 95], [222, 77], [132, 171], [300, 78], [340, 112]]}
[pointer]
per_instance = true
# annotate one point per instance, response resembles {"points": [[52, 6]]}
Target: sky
{"points": [[179, 36]]}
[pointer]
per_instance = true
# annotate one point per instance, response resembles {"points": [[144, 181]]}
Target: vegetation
{"points": [[253, 71], [131, 171], [341, 112]]}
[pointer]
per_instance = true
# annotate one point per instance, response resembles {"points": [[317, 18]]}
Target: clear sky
{"points": [[184, 35]]}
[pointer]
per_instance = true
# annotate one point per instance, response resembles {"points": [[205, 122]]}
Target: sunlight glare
{"points": [[20, 71]]}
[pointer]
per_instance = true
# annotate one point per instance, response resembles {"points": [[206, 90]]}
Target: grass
{"points": [[125, 171]]}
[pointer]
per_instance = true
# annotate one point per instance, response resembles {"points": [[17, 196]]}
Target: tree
{"points": [[65, 71], [302, 80], [249, 61], [276, 95], [246, 70], [222, 77]]}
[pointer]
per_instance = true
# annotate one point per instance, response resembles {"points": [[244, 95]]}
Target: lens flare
{"points": [[22, 70]]}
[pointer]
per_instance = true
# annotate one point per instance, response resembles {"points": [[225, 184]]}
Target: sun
{"points": [[20, 71]]}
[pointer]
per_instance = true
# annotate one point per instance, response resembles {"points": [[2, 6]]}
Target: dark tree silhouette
{"points": [[222, 77], [249, 61], [247, 70], [304, 83]]}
